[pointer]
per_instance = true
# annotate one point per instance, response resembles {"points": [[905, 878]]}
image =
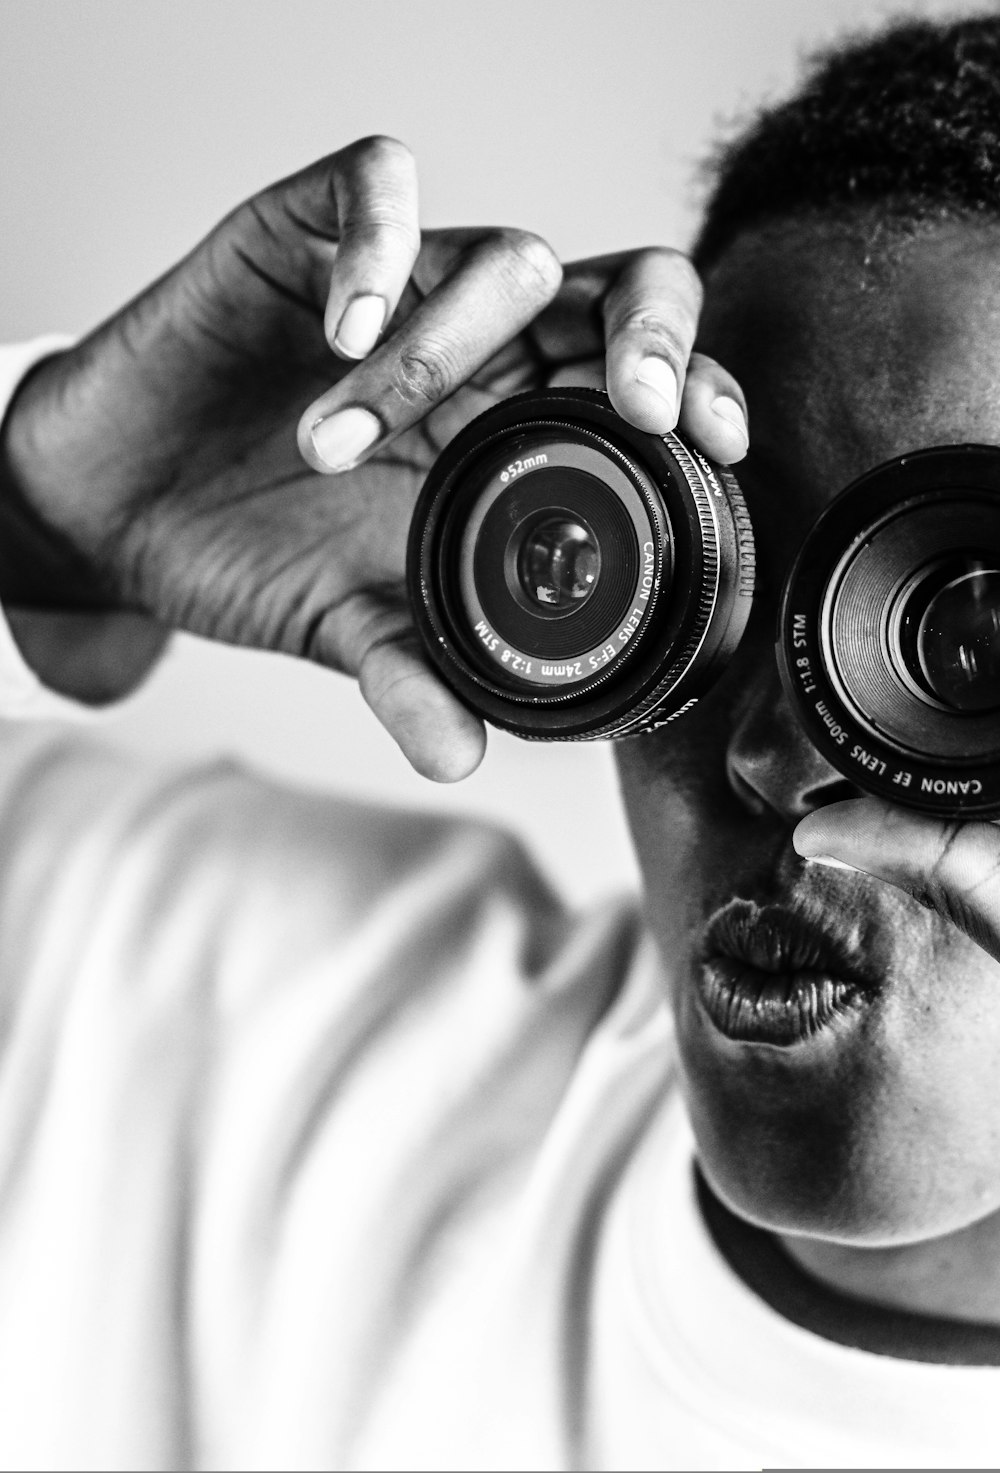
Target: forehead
{"points": [[855, 342]]}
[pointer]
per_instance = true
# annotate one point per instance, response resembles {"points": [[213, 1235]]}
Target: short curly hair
{"points": [[906, 120]]}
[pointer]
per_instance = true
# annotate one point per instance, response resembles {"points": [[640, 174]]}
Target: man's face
{"points": [[882, 1124]]}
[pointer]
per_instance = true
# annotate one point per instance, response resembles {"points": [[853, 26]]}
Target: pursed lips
{"points": [[771, 974]]}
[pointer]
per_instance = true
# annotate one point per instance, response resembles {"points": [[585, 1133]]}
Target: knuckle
{"points": [[381, 150], [384, 233], [665, 272], [658, 332], [534, 264], [424, 374], [682, 269], [655, 255]]}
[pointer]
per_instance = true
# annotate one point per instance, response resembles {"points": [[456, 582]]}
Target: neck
{"points": [[934, 1302], [954, 1277]]}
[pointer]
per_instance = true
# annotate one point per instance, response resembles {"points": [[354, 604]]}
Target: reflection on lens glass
{"points": [[559, 563], [958, 641]]}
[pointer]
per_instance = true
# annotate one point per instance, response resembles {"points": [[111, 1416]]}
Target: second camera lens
{"points": [[889, 639]]}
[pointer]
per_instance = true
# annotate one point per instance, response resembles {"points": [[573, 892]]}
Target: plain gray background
{"points": [[129, 126]]}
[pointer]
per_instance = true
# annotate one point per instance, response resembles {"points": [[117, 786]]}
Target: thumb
{"points": [[952, 867]]}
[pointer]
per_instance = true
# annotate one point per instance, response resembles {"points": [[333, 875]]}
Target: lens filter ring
{"points": [[854, 638], [725, 604]]}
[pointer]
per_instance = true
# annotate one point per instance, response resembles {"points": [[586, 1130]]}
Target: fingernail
{"points": [[360, 326], [831, 863], [730, 411], [342, 438], [657, 375]]}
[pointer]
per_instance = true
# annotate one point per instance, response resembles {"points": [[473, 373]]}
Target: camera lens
{"points": [[889, 636], [573, 577]]}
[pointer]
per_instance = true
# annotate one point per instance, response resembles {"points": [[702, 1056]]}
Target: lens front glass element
{"points": [[958, 640], [558, 562]]}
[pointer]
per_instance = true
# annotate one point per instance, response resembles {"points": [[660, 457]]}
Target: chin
{"points": [[788, 1176], [814, 1170]]}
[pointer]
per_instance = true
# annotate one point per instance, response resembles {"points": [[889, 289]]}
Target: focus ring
{"points": [[730, 494], [696, 474]]}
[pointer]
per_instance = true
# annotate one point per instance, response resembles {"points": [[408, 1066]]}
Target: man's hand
{"points": [[157, 466], [952, 868]]}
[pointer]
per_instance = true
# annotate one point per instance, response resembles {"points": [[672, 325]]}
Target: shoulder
{"points": [[222, 861]]}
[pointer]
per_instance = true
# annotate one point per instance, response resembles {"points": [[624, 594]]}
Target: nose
{"points": [[771, 763]]}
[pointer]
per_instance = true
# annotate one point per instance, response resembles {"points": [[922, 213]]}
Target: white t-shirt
{"points": [[330, 1139]]}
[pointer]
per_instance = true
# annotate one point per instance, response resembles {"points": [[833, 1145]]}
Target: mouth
{"points": [[769, 974]]}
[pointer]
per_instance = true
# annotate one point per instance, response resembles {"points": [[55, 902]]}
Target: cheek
{"points": [[670, 790], [689, 839], [691, 834], [674, 781], [662, 801], [937, 1117]]}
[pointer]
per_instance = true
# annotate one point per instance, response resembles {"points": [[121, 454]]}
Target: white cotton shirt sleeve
{"points": [[24, 694]]}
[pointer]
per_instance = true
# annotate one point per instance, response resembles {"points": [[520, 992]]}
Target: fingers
{"points": [[714, 411], [645, 305], [370, 635], [952, 867], [492, 285], [375, 190], [438, 736], [654, 378], [650, 319]]}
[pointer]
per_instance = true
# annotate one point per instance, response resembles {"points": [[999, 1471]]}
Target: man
{"points": [[326, 1137]]}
